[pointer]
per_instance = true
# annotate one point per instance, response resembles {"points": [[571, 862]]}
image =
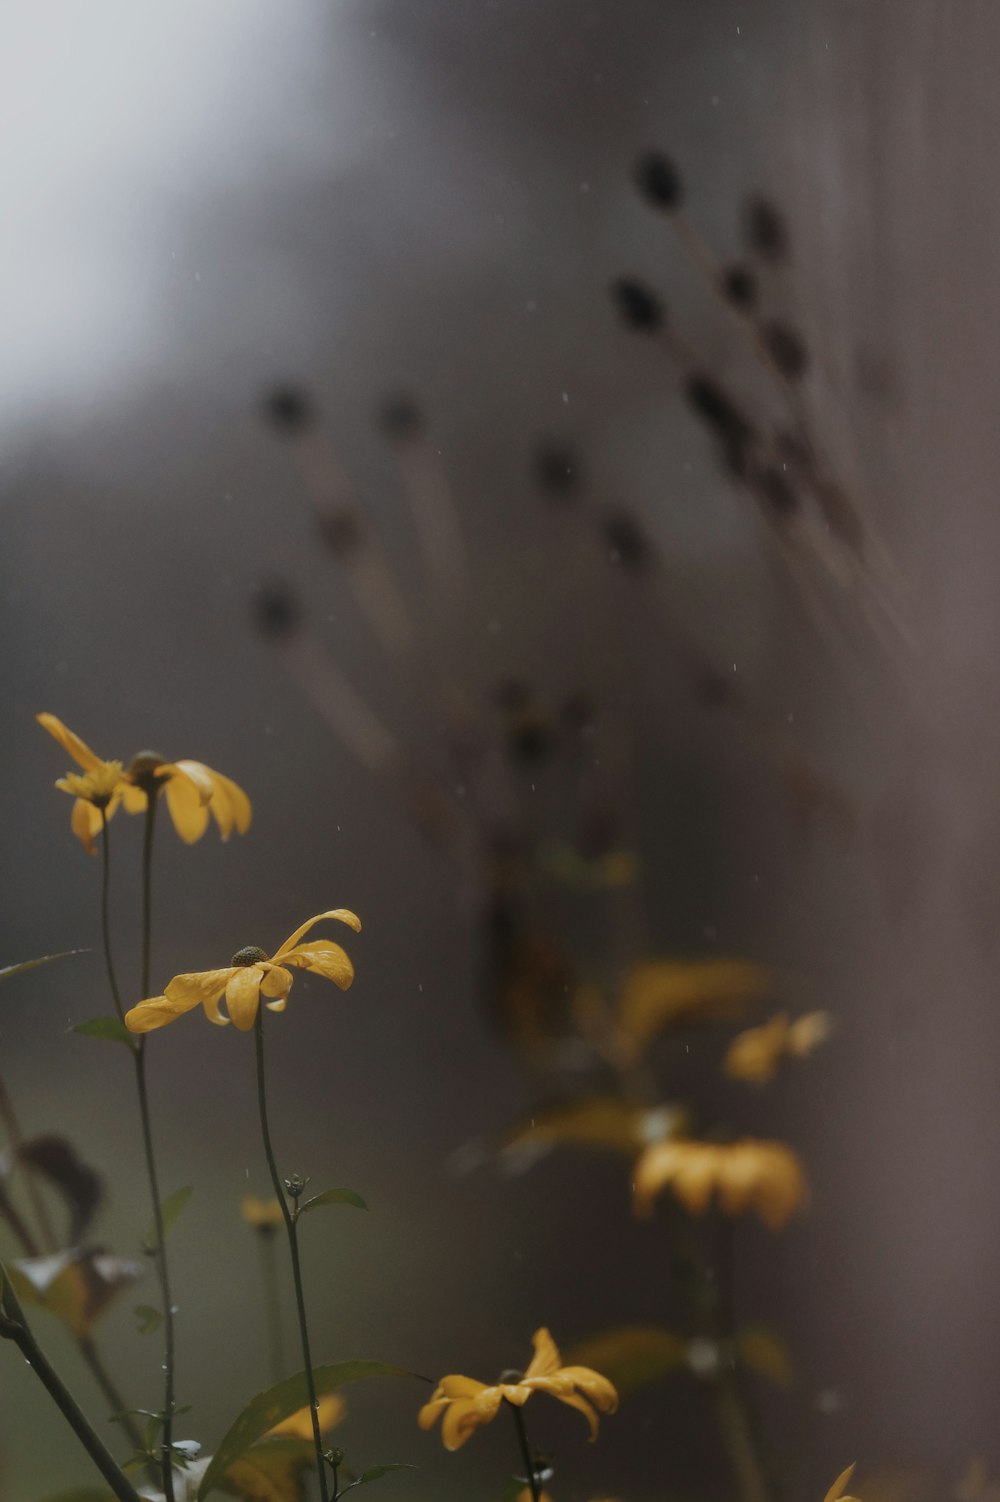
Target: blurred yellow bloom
{"points": [[836, 1492], [192, 790], [463, 1403], [249, 975], [330, 1408], [765, 1177], [263, 1215], [755, 1054]]}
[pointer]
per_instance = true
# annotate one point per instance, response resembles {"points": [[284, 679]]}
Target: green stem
{"points": [[269, 1278], [119, 1407], [529, 1464], [162, 1268], [13, 1327], [293, 1247], [106, 915]]}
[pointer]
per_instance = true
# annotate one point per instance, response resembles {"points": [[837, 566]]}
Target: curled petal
{"points": [[464, 1416], [78, 749], [212, 1012], [134, 798], [838, 1486], [546, 1358], [199, 985], [454, 1386], [230, 806], [194, 772], [431, 1412], [277, 980], [243, 996], [324, 958], [341, 914], [85, 822], [575, 1400], [596, 1388], [188, 811], [156, 1011]]}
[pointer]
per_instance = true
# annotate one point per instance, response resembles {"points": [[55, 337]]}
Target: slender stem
{"points": [[293, 1247], [118, 1405], [106, 915], [162, 1268], [269, 1278], [529, 1464], [13, 1327]]}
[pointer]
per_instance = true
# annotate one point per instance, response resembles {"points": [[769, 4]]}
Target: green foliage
{"points": [[333, 1197], [148, 1318], [8, 971], [170, 1211], [107, 1029], [375, 1472]]}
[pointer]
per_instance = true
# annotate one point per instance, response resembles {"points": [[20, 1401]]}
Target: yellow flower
{"points": [[263, 1215], [765, 1177], [466, 1403], [249, 975], [330, 1408], [192, 790], [754, 1055], [836, 1492]]}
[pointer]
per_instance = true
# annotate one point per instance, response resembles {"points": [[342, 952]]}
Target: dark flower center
{"points": [[510, 1376], [251, 955]]}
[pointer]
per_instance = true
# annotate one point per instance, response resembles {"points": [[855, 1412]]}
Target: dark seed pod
{"points": [[739, 285], [709, 401], [786, 348], [658, 180], [288, 409], [765, 230], [637, 306], [275, 611], [627, 541], [341, 530], [400, 418], [557, 471], [778, 493]]}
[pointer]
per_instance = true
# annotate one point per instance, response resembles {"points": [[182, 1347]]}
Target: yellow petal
{"points": [[464, 1416], [187, 808], [330, 1409], [78, 749], [546, 1358], [596, 1388], [194, 772], [243, 996], [574, 1400], [838, 1486], [81, 822], [324, 958], [454, 1386], [134, 799], [341, 914], [199, 985], [753, 1055], [229, 804], [156, 1011], [277, 980], [807, 1032], [431, 1412]]}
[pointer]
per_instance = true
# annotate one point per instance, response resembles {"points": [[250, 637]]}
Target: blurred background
{"points": [[335, 454]]}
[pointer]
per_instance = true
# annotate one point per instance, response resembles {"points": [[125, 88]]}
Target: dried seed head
{"points": [[251, 955]]}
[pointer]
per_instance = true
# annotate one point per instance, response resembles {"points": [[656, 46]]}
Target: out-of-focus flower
{"points": [[263, 1215], [250, 975], [463, 1404], [330, 1409], [766, 1177], [836, 1492], [755, 1054], [192, 790], [657, 994], [974, 1485]]}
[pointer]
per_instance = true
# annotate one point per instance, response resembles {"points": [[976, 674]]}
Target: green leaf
{"points": [[280, 1402], [109, 1029], [46, 959], [374, 1472], [169, 1212], [334, 1197], [149, 1319]]}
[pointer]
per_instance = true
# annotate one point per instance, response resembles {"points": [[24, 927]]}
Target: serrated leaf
{"points": [[8, 971], [169, 1213], [148, 1318], [333, 1197], [632, 1356], [108, 1029], [765, 1353], [280, 1402]]}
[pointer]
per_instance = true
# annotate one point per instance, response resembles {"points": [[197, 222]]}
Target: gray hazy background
{"points": [[201, 200]]}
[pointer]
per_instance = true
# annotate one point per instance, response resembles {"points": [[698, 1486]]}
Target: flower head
{"points": [[192, 790], [463, 1403], [766, 1177], [250, 974]]}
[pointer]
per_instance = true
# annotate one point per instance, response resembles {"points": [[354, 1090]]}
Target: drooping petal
{"points": [[574, 1400], [454, 1386], [330, 1409], [82, 823], [464, 1416], [597, 1389], [199, 985], [277, 980], [341, 914], [324, 958], [156, 1011], [230, 805], [134, 798], [78, 749], [243, 996], [194, 772], [431, 1412], [838, 1486], [188, 811], [546, 1358], [212, 1012]]}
